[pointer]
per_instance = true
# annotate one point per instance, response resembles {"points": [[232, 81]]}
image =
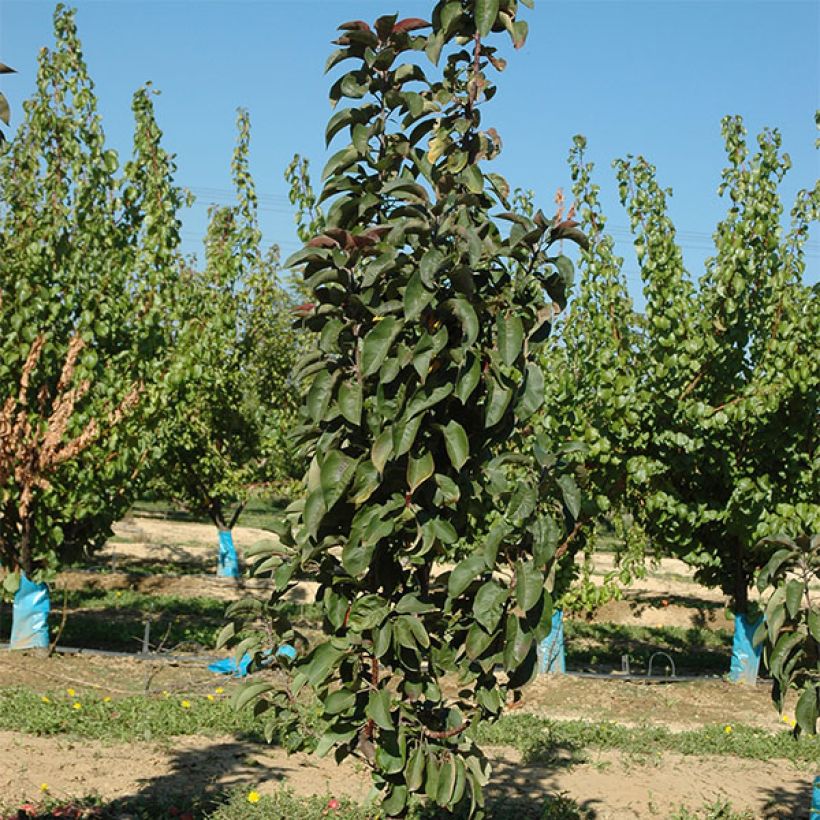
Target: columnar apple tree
{"points": [[5, 112], [429, 316], [87, 293]]}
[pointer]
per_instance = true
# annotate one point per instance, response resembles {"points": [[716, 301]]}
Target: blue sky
{"points": [[651, 78]]}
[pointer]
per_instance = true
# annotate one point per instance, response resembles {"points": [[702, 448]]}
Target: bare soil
{"points": [[612, 784]]}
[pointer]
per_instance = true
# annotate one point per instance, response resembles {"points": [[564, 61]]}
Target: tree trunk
{"points": [[741, 590]]}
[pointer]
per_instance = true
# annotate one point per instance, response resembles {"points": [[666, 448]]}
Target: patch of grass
{"points": [[242, 803], [284, 804], [695, 650], [542, 740], [717, 810], [539, 739], [123, 719]]}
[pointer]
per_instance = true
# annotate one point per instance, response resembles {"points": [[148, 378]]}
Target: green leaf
{"points": [[338, 121], [794, 592], [382, 449], [404, 435], [571, 494], [339, 701], [468, 380], [814, 624], [498, 399], [315, 510], [510, 338], [455, 440], [350, 401], [486, 13], [248, 692], [395, 802], [477, 641], [366, 481], [565, 270], [464, 574], [529, 583], [489, 604], [466, 314], [533, 396], [416, 298], [337, 472], [339, 161], [431, 262], [318, 398], [317, 665], [367, 612], [412, 632], [805, 712], [446, 783], [419, 469], [415, 769], [356, 557], [377, 343], [4, 110], [378, 708]]}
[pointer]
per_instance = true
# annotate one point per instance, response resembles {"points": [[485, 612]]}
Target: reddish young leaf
{"points": [[364, 240], [354, 25], [410, 24], [304, 308], [322, 241]]}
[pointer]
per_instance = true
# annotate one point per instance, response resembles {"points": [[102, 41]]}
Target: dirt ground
{"points": [[666, 597], [611, 784]]}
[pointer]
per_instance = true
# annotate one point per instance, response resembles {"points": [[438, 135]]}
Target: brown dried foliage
{"points": [[34, 444]]}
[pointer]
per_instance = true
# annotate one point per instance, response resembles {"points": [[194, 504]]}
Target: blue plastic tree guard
{"points": [[815, 799], [745, 656], [228, 563], [229, 666], [551, 651], [29, 620]]}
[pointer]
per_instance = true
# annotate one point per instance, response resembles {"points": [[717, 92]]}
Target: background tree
{"points": [[589, 369], [428, 320], [88, 287], [709, 400], [230, 416]]}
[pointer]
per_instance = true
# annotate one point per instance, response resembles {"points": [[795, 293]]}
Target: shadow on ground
{"points": [[787, 804]]}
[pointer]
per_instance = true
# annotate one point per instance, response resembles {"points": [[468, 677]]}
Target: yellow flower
{"points": [[44, 787], [76, 705], [118, 593], [71, 693], [107, 699], [219, 690], [254, 797], [45, 699], [789, 721], [166, 693], [210, 697], [186, 704], [727, 729]]}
